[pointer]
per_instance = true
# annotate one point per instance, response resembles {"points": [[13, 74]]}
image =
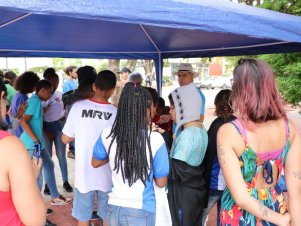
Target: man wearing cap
{"points": [[185, 76], [124, 74]]}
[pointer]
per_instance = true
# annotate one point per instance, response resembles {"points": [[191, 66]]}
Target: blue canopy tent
{"points": [[136, 29]]}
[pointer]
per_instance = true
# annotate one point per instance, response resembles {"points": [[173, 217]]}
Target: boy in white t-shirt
{"points": [[85, 123]]}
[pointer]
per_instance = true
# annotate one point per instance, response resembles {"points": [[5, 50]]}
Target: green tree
{"points": [[287, 67], [38, 70]]}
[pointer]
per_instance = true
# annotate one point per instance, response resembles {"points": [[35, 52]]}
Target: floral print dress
{"points": [[251, 164]]}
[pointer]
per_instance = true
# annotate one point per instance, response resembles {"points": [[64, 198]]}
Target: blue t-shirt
{"points": [[69, 85], [203, 102], [34, 108], [136, 196], [18, 99]]}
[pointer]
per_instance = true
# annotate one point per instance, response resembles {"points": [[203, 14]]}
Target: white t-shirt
{"points": [[137, 196], [56, 110], [85, 122]]}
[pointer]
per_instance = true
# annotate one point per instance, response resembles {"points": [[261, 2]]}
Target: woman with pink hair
{"points": [[255, 148]]}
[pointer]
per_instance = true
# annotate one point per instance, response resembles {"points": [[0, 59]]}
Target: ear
{"points": [[111, 91], [94, 87]]}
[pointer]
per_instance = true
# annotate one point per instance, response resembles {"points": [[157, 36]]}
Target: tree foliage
{"points": [[287, 67], [249, 2]]}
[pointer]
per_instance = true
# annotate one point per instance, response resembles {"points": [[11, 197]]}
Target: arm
{"points": [[202, 117], [227, 138], [3, 105], [25, 124], [66, 139], [292, 173], [25, 193], [100, 156], [98, 163], [21, 110], [161, 182], [68, 132], [161, 165]]}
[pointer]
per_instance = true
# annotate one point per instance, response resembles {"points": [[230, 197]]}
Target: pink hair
{"points": [[255, 95]]}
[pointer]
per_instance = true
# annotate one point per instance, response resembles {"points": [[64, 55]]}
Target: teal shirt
{"points": [[10, 94], [34, 108], [190, 145]]}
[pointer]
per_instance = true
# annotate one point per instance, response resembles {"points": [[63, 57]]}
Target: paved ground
{"points": [[62, 214]]}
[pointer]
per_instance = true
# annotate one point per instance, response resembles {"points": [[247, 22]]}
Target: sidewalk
{"points": [[62, 214]]}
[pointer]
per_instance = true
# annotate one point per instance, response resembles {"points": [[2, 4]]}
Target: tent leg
{"points": [[159, 72]]}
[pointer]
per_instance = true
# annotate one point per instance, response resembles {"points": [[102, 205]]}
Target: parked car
{"points": [[216, 82]]}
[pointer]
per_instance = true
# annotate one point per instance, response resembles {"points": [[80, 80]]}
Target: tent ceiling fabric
{"points": [[143, 29]]}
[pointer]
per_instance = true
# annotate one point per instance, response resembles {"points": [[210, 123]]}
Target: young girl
{"points": [[137, 158], [186, 184], [52, 128], [25, 85]]}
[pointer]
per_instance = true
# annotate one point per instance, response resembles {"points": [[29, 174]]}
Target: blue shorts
{"points": [[83, 205]]}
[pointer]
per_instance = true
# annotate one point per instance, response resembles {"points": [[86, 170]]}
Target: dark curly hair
{"points": [[27, 82], [222, 102]]}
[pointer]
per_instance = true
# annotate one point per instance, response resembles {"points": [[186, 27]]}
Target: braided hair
{"points": [[130, 129]]}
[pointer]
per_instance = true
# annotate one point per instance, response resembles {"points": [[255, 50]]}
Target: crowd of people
{"points": [[143, 163]]}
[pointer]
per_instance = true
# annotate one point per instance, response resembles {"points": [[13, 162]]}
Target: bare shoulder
{"points": [[228, 130], [13, 147], [229, 138]]}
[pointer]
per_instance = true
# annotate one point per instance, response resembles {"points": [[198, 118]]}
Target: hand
{"points": [[37, 150], [286, 219], [164, 119], [36, 165], [46, 108], [153, 126]]}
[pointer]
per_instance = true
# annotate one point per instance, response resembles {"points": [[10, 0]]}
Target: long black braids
{"points": [[130, 129]]}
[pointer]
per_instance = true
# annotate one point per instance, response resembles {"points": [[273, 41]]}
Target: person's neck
{"points": [[100, 99], [196, 123]]}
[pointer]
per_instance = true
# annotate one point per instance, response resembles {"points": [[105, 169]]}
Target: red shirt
{"points": [[8, 212]]}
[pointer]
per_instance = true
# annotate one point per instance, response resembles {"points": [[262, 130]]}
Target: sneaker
{"points": [[95, 216], [49, 223], [60, 201], [46, 190], [49, 212], [67, 187], [70, 155]]}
